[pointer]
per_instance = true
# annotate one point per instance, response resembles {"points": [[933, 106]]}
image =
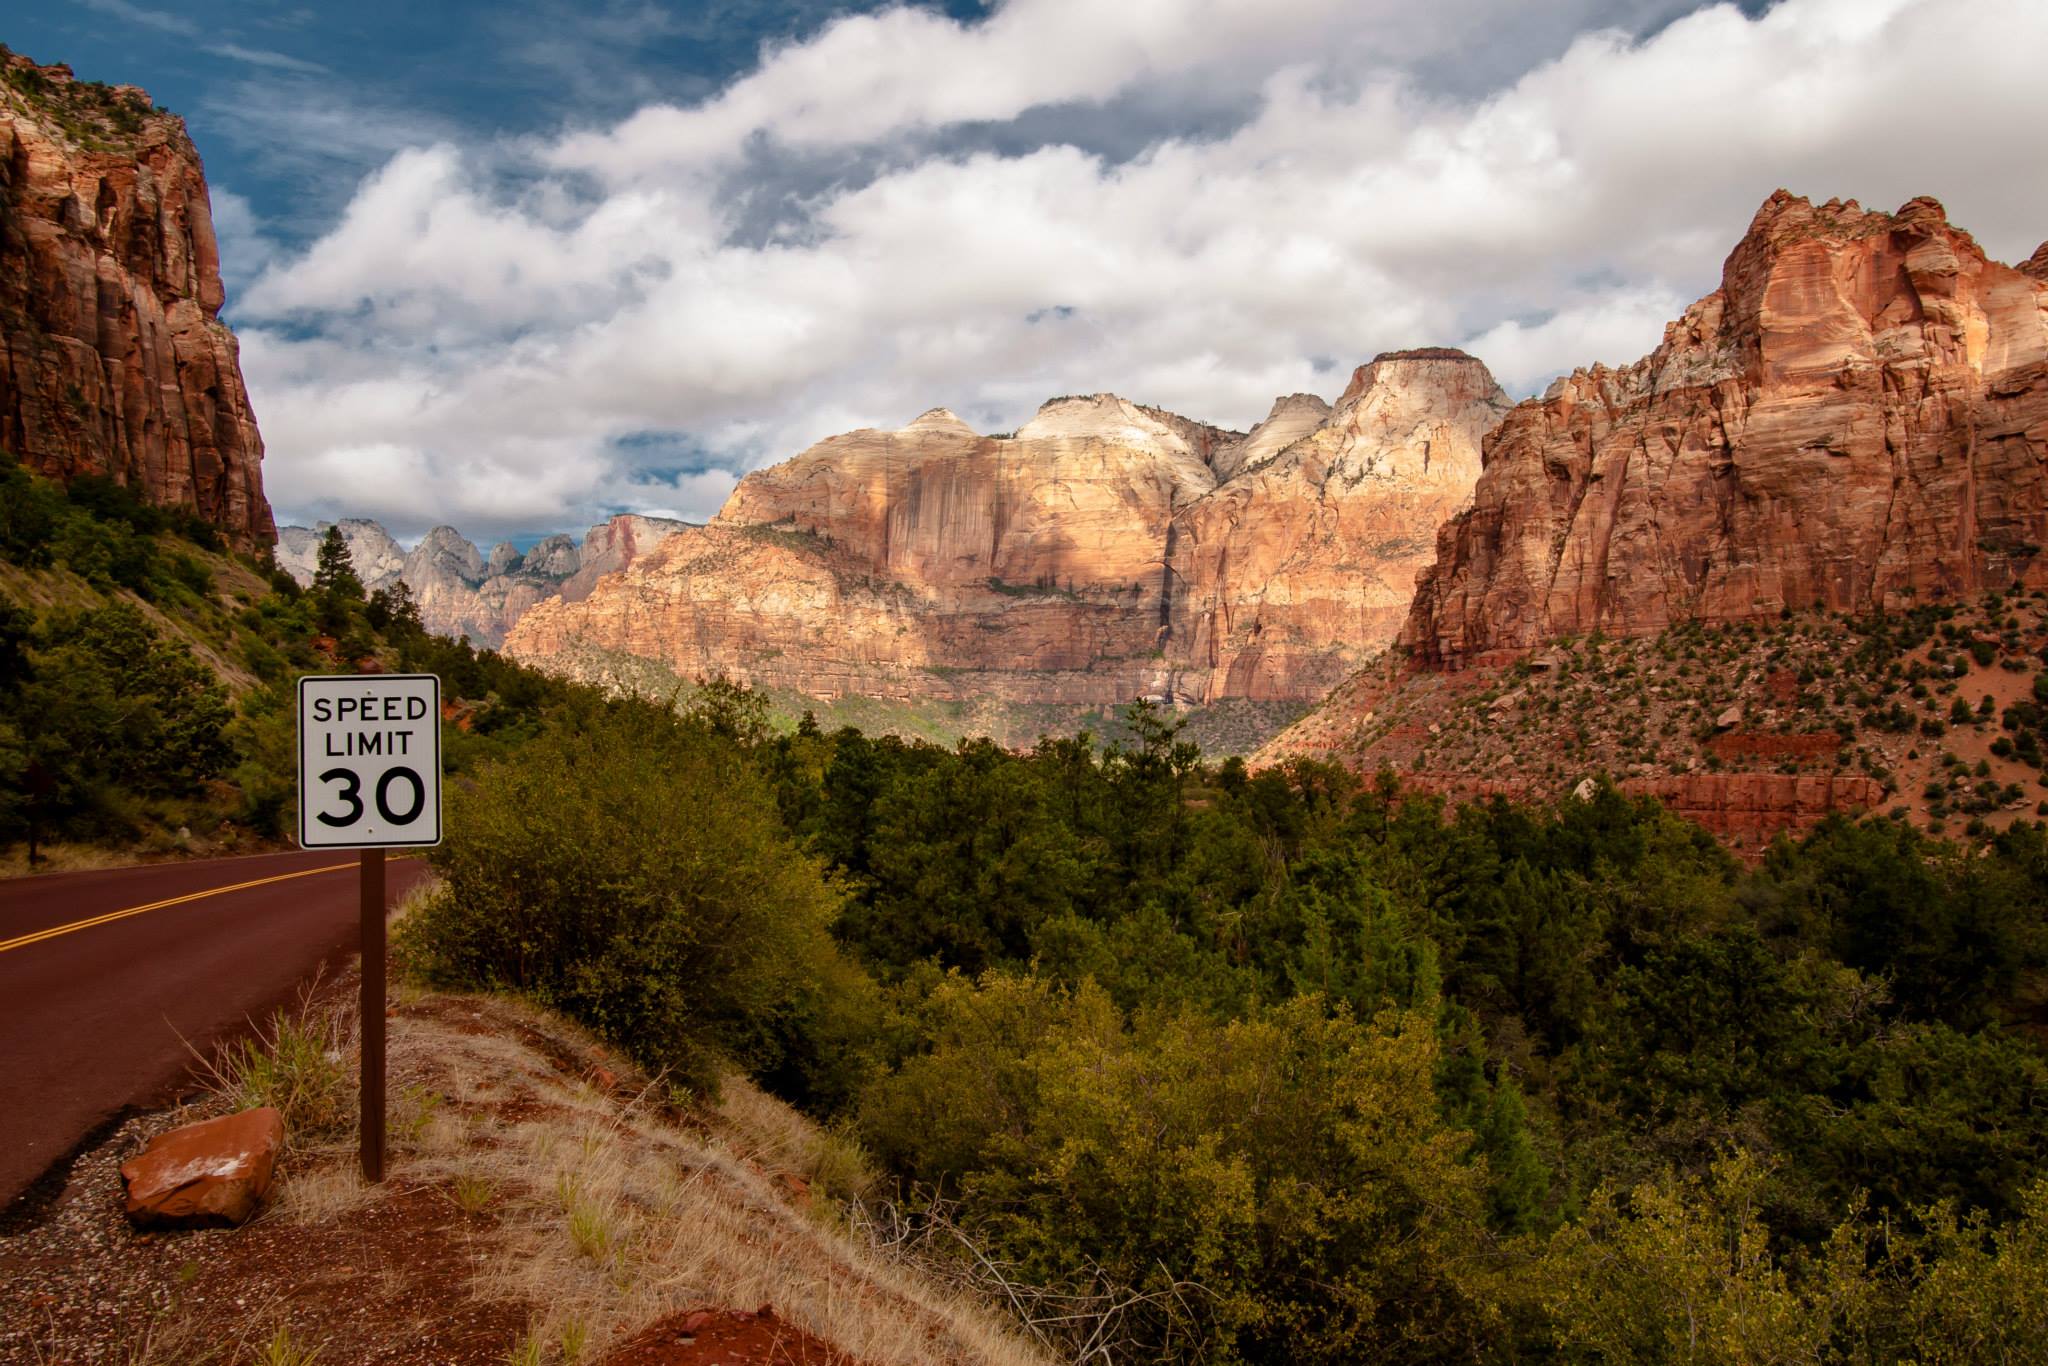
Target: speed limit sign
{"points": [[369, 761], [369, 779]]}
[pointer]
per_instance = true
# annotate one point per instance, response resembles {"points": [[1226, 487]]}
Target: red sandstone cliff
{"points": [[1106, 551], [1857, 418], [113, 359]]}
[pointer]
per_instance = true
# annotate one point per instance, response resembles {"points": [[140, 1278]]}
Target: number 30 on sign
{"points": [[369, 761]]}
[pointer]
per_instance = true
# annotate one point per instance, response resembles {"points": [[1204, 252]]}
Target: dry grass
{"points": [[606, 1215], [171, 1338], [832, 1163], [302, 1061], [165, 1341], [65, 858], [323, 1192]]}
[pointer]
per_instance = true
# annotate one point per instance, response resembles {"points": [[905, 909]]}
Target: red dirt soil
{"points": [[703, 1337], [1807, 745]]}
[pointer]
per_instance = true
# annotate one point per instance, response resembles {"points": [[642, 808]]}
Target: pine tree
{"points": [[335, 574]]}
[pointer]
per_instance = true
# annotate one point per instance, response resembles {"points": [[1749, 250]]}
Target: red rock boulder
{"points": [[213, 1173]]}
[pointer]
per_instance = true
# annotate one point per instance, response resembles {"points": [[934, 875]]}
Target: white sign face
{"points": [[369, 761]]}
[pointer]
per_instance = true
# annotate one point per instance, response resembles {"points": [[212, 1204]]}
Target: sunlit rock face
{"points": [[113, 357], [1857, 418], [1305, 561], [378, 560], [1855, 421], [1105, 551]]}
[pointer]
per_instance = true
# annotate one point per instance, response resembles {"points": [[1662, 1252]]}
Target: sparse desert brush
{"points": [[302, 1062], [608, 1214], [593, 1227], [283, 1349], [472, 1193]]}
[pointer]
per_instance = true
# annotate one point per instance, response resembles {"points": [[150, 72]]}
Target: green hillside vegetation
{"points": [[1285, 1066], [1230, 725], [96, 116], [147, 675]]}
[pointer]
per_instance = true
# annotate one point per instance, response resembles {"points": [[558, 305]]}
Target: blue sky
{"points": [[515, 266], [259, 82]]}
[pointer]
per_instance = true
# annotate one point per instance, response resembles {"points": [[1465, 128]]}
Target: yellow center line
{"points": [[23, 941]]}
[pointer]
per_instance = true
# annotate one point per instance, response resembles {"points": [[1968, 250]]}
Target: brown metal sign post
{"points": [[373, 1015], [370, 780]]}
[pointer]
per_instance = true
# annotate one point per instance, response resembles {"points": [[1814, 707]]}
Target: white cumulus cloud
{"points": [[514, 336]]}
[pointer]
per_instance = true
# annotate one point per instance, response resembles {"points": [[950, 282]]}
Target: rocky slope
{"points": [[1854, 423], [113, 358], [1103, 552], [460, 591]]}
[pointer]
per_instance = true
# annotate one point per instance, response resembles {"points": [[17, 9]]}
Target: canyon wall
{"points": [[1857, 418], [1304, 560], [113, 357], [1854, 422], [1104, 551]]}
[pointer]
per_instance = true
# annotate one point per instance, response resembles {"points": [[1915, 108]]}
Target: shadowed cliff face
{"points": [[1857, 418], [461, 593], [1106, 551], [113, 359]]}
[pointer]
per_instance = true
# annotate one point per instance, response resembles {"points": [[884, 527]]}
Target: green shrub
{"points": [[1280, 1187], [631, 870], [110, 714]]}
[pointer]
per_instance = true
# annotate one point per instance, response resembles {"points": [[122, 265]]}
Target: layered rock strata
{"points": [[113, 357], [1856, 419], [1105, 551], [1305, 559]]}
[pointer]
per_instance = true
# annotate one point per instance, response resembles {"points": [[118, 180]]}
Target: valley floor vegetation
{"points": [[1291, 1066], [1239, 1067]]}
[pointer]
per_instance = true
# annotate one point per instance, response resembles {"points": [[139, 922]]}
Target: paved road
{"points": [[102, 972]]}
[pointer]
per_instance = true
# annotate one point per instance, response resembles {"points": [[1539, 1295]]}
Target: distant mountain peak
{"points": [[459, 591], [940, 420]]}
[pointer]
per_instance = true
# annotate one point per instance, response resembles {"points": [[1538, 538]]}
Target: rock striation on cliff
{"points": [[459, 590], [1105, 551], [1856, 419], [1688, 573], [113, 357], [1304, 561]]}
